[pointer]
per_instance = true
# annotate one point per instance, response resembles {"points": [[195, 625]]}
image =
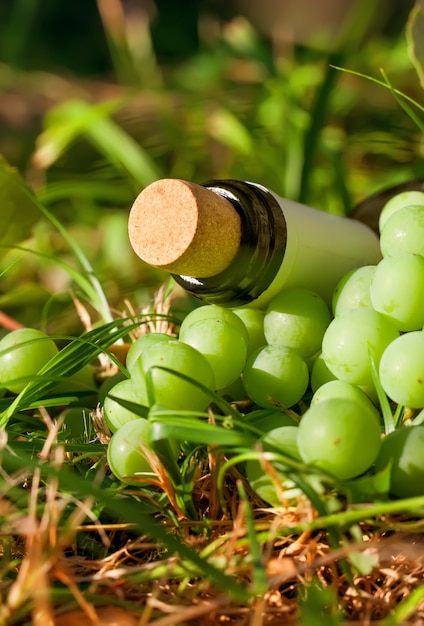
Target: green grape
{"points": [[253, 319], [82, 380], [25, 360], [353, 290], [168, 388], [275, 376], [341, 389], [114, 413], [401, 370], [352, 339], [221, 343], [283, 439], [397, 290], [340, 436], [399, 201], [126, 452], [297, 318], [141, 344], [265, 420], [403, 449], [107, 385], [404, 232], [320, 374], [235, 392], [214, 312]]}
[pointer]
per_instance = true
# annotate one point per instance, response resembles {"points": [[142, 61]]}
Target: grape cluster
{"points": [[300, 352], [379, 312], [235, 353], [378, 322]]}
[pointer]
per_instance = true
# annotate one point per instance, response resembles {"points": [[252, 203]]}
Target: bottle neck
{"points": [[261, 252]]}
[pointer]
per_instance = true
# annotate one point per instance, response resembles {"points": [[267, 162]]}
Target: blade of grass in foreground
{"points": [[259, 576], [386, 411], [402, 98], [80, 279]]}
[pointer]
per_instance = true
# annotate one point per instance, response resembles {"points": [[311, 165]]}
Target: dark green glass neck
{"points": [[261, 252]]}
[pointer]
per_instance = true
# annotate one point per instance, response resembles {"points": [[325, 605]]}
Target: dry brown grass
{"points": [[135, 581]]}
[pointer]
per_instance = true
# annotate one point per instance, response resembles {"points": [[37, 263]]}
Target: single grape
{"points": [[401, 370], [221, 343], [107, 385], [283, 439], [269, 419], [253, 319], [399, 201], [352, 339], [126, 452], [168, 388], [234, 392], [23, 353], [340, 436], [82, 380], [403, 449], [344, 390], [320, 374], [114, 413], [297, 318], [353, 290], [397, 290], [275, 376], [404, 232], [215, 312], [141, 344]]}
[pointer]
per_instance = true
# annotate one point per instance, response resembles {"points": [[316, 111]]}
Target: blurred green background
{"points": [[100, 98]]}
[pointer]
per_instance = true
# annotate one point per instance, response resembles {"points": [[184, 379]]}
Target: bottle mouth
{"points": [[261, 251], [184, 228]]}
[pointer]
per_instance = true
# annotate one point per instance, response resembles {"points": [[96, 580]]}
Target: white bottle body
{"points": [[320, 249]]}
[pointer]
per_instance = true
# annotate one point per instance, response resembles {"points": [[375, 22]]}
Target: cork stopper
{"points": [[184, 228]]}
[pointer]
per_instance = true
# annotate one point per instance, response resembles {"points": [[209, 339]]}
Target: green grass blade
{"points": [[386, 411], [220, 402], [177, 425], [112, 191], [122, 150], [383, 83], [259, 576], [79, 278], [317, 121]]}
